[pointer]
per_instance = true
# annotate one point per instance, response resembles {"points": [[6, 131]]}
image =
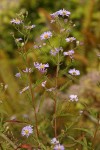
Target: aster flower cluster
{"points": [[61, 12], [42, 67]]}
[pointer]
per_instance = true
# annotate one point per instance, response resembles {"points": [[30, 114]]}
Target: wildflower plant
{"points": [[49, 131]]}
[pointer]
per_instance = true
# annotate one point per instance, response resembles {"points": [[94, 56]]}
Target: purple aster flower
{"points": [[74, 72], [27, 70], [73, 98], [59, 147], [26, 131], [41, 67], [16, 21], [19, 39], [55, 51], [70, 39], [46, 35], [64, 12], [18, 75], [69, 53], [54, 15], [36, 46], [54, 141]]}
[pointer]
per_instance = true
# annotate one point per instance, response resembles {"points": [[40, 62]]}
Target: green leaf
{"points": [[85, 130]]}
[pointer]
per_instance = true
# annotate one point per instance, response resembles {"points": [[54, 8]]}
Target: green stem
{"points": [[55, 105], [35, 114], [32, 96]]}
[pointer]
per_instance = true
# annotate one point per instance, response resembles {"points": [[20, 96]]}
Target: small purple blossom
{"points": [[16, 21], [36, 46], [70, 39], [74, 72], [19, 39], [26, 131], [73, 98], [18, 75], [59, 147], [46, 35], [55, 51], [58, 13], [54, 15], [27, 70], [41, 67], [63, 12], [54, 141], [69, 53]]}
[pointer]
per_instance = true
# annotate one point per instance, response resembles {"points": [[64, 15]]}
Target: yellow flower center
{"points": [[42, 66], [64, 13], [17, 20], [26, 131], [46, 36]]}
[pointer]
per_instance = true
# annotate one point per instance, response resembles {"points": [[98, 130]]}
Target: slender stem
{"points": [[55, 120], [57, 70], [55, 105], [35, 114], [32, 96]]}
